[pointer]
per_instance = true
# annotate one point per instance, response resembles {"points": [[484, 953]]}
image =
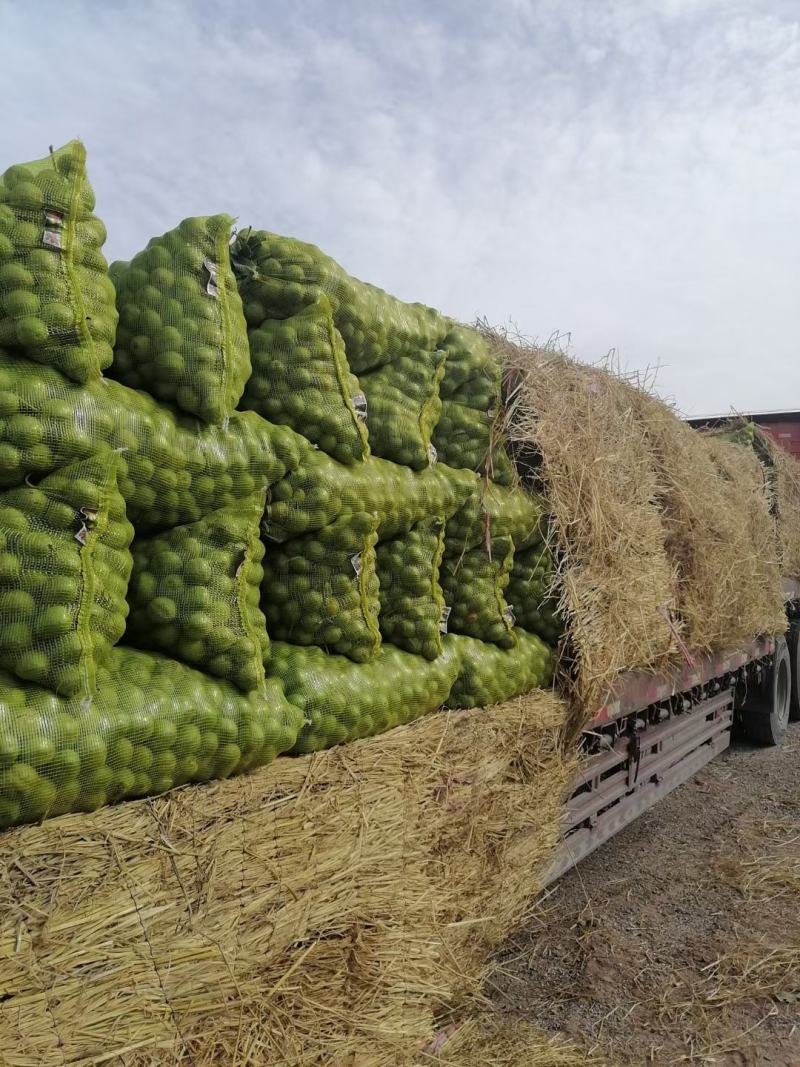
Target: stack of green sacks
{"points": [[153, 537], [84, 462]]}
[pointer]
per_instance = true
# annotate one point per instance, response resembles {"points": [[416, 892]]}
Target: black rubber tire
{"points": [[794, 660], [766, 711]]}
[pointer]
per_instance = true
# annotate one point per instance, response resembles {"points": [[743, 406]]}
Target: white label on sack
{"points": [[509, 616], [444, 619], [356, 561], [491, 413], [82, 534], [360, 404], [433, 455], [212, 286], [53, 225]]}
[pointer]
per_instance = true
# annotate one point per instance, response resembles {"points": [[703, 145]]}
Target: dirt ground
{"points": [[677, 942]]}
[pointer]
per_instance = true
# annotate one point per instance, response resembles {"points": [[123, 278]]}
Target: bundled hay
{"points": [[492, 818], [784, 477], [664, 536], [574, 428], [715, 510], [317, 913]]}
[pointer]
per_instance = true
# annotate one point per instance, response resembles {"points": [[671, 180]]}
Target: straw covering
{"points": [[323, 911]]}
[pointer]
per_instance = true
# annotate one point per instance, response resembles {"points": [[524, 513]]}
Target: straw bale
{"points": [[783, 472], [715, 508], [493, 819], [664, 535], [318, 911], [574, 431]]}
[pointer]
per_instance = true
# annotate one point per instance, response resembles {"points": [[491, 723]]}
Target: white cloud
{"points": [[621, 170]]}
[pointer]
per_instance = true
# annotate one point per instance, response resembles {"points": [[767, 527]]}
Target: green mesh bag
{"points": [[530, 594], [64, 570], [495, 511], [403, 406], [153, 724], [412, 609], [469, 432], [195, 591], [279, 276], [56, 298], [489, 674], [343, 701], [320, 491], [174, 469], [301, 379], [322, 589], [470, 438], [474, 583], [182, 334]]}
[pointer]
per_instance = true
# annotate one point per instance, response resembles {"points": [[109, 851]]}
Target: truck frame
{"points": [[657, 730]]}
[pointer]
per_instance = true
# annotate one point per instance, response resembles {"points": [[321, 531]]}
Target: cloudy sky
{"points": [[624, 172]]}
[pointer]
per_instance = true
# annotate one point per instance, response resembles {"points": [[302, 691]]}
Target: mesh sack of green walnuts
{"points": [[471, 438], [403, 407], [531, 595], [153, 724], [489, 674], [301, 379], [321, 491], [279, 276], [56, 298], [322, 588], [342, 701], [64, 567], [492, 510], [470, 361], [412, 609], [474, 583], [469, 433], [182, 334], [173, 469], [195, 592]]}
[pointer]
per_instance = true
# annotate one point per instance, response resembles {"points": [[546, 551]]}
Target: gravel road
{"points": [[678, 942]]}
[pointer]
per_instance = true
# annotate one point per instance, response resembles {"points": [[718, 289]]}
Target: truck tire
{"points": [[766, 710], [794, 661]]}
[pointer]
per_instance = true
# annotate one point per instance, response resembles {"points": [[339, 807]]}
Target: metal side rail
{"points": [[637, 770]]}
